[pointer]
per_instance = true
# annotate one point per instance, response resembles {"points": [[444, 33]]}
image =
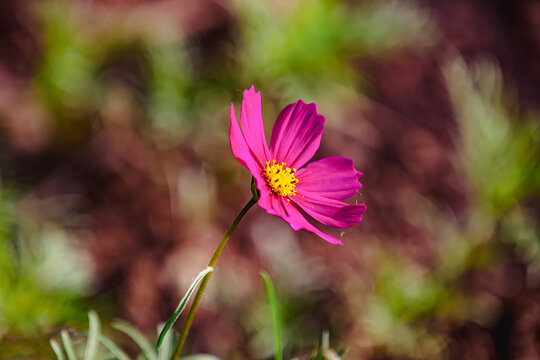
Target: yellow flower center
{"points": [[280, 179]]}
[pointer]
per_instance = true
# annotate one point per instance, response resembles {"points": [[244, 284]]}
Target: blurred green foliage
{"points": [[65, 77], [499, 149], [306, 48], [170, 80], [42, 278]]}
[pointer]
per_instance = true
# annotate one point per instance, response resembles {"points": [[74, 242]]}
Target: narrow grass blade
{"points": [[93, 334], [137, 337], [113, 348], [276, 319], [68, 345], [183, 304], [57, 349]]}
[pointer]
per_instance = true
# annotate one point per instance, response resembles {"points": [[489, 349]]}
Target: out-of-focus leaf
{"points": [[113, 348], [93, 336], [68, 345], [500, 156], [57, 349], [306, 47], [276, 317], [169, 80], [65, 74], [139, 338], [325, 340]]}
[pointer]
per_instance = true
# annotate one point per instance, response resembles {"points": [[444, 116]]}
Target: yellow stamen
{"points": [[280, 178]]}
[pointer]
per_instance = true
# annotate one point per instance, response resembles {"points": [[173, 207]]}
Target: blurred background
{"points": [[117, 181]]}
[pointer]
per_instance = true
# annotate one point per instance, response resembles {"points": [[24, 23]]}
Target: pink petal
{"points": [[328, 211], [278, 206], [239, 147], [252, 125], [297, 134], [298, 221], [271, 203], [332, 177]]}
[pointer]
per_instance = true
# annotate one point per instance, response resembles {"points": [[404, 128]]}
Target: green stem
{"points": [[189, 319]]}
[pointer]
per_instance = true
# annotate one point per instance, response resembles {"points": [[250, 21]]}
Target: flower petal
{"points": [[252, 125], [297, 134], [278, 206], [239, 147], [271, 203], [328, 211], [332, 177]]}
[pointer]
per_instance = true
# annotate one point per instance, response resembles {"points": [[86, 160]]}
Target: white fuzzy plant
{"points": [[97, 346]]}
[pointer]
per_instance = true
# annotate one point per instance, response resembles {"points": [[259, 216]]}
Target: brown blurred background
{"points": [[117, 181]]}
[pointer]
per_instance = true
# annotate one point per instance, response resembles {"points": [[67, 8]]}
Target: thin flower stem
{"points": [[189, 319]]}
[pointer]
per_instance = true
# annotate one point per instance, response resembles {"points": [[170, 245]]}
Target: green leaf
{"points": [[276, 319], [166, 349], [183, 303], [137, 337]]}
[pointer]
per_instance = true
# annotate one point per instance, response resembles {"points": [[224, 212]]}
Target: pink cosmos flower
{"points": [[285, 186]]}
